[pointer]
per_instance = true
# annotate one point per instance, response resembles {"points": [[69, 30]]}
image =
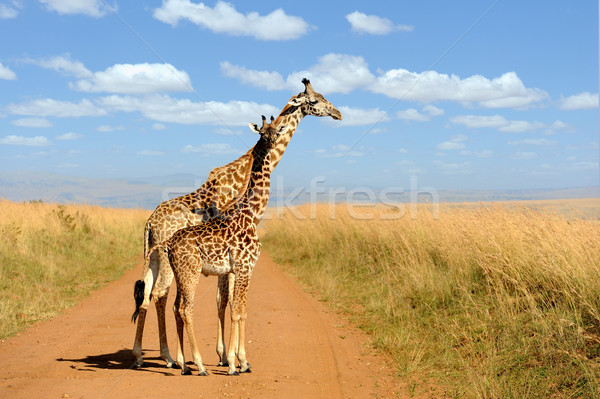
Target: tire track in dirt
{"points": [[297, 348]]}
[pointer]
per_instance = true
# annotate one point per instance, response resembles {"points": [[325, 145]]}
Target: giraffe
{"points": [[222, 185], [225, 245]]}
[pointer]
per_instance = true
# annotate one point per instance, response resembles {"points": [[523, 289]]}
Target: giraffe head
{"points": [[268, 132], [312, 103]]}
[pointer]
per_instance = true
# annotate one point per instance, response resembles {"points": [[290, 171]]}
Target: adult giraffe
{"points": [[223, 184], [223, 246]]}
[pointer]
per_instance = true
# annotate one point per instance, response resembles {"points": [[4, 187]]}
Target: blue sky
{"points": [[460, 95]]}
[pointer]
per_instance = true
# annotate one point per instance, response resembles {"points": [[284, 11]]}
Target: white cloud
{"points": [[358, 117], [433, 110], [37, 141], [589, 146], [69, 136], [560, 125], [454, 168], [455, 143], [504, 125], [8, 11], [6, 73], [61, 109], [32, 122], [227, 131], [342, 73], [109, 128], [525, 155], [412, 114], [585, 100], [339, 151], [521, 126], [506, 91], [585, 165], [63, 64], [263, 79], [158, 126], [333, 73], [477, 121], [478, 154], [163, 108], [450, 145], [224, 18], [92, 8], [150, 152], [136, 78], [68, 165], [212, 149], [374, 25], [120, 78], [533, 142]]}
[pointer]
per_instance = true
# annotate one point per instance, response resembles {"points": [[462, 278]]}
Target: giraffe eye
{"points": [[314, 102]]}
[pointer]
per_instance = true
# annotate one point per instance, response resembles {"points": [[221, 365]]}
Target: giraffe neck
{"points": [[254, 201], [291, 119], [265, 160]]}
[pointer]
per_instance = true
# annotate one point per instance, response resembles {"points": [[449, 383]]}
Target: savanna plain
{"points": [[480, 300]]}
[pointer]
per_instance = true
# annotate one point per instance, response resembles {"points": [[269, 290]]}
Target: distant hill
{"points": [[519, 195], [148, 192], [144, 193]]}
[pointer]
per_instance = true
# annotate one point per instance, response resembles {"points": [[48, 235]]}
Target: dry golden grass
{"points": [[52, 255], [491, 301]]}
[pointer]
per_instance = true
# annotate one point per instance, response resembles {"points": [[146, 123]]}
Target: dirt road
{"points": [[297, 348]]}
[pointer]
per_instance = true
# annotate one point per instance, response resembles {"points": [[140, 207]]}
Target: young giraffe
{"points": [[223, 184], [225, 245]]}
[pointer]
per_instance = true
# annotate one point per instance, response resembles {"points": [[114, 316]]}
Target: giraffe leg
{"points": [[238, 322], [186, 309], [241, 350], [137, 344], [233, 339], [161, 305], [222, 299], [179, 323], [160, 293]]}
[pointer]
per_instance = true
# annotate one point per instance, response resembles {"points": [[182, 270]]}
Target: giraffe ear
{"points": [[254, 127]]}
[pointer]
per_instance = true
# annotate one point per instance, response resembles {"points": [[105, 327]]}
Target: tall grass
{"points": [[486, 301], [52, 255]]}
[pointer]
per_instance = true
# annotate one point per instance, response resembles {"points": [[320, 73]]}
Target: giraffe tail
{"points": [[140, 285], [138, 295]]}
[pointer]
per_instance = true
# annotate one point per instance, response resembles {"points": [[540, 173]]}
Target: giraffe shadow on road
{"points": [[119, 360]]}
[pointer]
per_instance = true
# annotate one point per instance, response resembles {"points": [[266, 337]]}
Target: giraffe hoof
{"points": [[203, 373], [186, 372], [234, 373], [223, 364], [139, 365], [246, 369]]}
